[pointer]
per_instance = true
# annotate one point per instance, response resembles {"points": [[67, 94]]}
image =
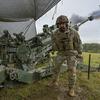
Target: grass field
{"points": [[95, 58]]}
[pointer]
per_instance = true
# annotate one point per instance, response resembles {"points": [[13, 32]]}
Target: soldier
{"points": [[46, 30], [66, 45], [6, 38], [6, 35]]}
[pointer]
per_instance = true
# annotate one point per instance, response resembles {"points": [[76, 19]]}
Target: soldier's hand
{"points": [[79, 56]]}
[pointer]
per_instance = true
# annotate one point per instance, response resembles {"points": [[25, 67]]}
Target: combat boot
{"points": [[71, 92]]}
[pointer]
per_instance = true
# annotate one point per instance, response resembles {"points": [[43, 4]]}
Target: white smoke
{"points": [[75, 19], [96, 14]]}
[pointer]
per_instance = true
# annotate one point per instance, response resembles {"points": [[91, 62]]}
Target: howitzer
{"points": [[20, 56]]}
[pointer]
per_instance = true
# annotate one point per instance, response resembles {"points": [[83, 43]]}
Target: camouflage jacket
{"points": [[68, 41]]}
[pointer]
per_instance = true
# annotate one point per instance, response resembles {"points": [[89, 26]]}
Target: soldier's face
{"points": [[63, 27]]}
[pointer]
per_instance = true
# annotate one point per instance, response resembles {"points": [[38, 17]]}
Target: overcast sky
{"points": [[90, 31]]}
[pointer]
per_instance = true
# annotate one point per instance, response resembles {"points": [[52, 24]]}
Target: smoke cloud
{"points": [[75, 19], [96, 14]]}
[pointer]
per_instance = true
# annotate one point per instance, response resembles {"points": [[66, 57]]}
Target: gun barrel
{"points": [[90, 18], [82, 22]]}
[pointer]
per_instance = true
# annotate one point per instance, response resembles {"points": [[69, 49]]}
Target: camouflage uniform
{"points": [[68, 45]]}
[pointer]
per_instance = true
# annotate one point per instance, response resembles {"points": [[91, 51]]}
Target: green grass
{"points": [[95, 58], [92, 85]]}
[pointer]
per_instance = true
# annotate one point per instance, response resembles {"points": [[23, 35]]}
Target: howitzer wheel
{"points": [[13, 75], [8, 70]]}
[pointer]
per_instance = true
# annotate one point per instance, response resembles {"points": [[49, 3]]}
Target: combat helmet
{"points": [[45, 25], [62, 18], [5, 31]]}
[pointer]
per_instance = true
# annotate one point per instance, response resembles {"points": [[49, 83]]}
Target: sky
{"points": [[89, 32]]}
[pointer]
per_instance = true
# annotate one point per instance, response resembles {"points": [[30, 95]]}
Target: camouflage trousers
{"points": [[71, 64]]}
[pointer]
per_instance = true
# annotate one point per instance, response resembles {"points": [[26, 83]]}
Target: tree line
{"points": [[91, 47]]}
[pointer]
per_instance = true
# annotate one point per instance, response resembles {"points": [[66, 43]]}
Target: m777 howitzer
{"points": [[18, 56]]}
